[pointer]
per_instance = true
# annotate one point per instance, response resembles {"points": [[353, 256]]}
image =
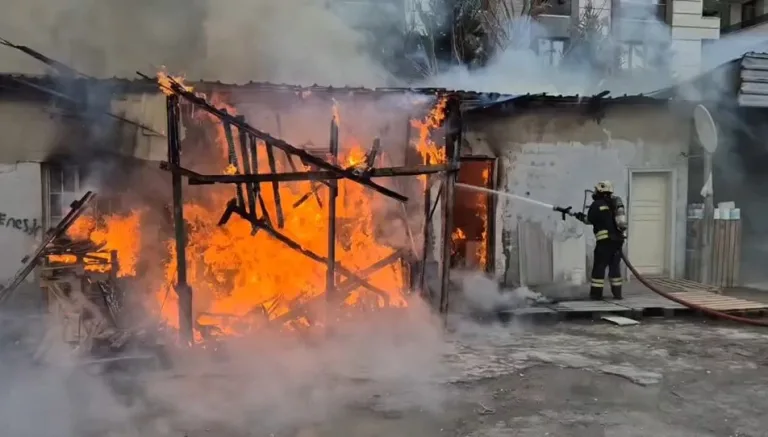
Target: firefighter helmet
{"points": [[604, 187]]}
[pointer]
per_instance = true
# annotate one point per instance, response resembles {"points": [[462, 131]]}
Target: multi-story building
{"points": [[739, 17], [641, 26]]}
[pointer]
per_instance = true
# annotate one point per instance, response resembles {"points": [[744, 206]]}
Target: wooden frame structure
{"points": [[249, 204]]}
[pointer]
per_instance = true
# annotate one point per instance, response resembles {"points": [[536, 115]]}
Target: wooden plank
{"points": [[619, 320], [642, 303], [530, 311], [587, 306], [717, 253], [720, 302], [683, 285]]}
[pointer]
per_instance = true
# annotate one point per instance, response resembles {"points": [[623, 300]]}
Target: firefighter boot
{"points": [[596, 289], [616, 288]]}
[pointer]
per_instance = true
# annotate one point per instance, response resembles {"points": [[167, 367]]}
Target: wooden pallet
{"points": [[652, 306], [683, 285], [722, 303], [588, 308], [530, 313]]}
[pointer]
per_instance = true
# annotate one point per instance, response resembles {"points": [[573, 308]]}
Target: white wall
{"points": [[21, 215], [689, 28], [554, 155]]}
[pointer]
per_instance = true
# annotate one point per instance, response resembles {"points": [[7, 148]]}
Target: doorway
{"points": [[473, 213], [650, 218]]}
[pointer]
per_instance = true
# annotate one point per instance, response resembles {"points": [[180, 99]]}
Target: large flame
{"points": [[120, 233], [241, 279]]}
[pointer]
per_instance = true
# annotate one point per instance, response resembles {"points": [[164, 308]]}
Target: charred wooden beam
{"points": [[350, 284], [389, 172], [453, 139], [233, 159], [429, 212], [247, 169], [199, 101], [345, 287], [308, 253], [31, 261], [183, 290], [275, 187], [333, 193], [370, 158], [314, 187]]}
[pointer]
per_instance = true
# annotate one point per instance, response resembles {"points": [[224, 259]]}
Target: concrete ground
{"points": [[663, 378]]}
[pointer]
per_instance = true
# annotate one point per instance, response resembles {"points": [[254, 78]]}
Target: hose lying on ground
{"points": [[705, 310]]}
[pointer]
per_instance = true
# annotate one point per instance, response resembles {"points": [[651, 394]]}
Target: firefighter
{"points": [[609, 223]]}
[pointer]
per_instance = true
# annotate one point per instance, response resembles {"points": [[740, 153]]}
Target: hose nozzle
{"points": [[563, 210]]}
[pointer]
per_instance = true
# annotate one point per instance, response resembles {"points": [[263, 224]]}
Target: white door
{"points": [[649, 216]]}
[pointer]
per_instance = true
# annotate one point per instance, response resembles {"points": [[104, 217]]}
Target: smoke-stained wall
{"points": [[21, 217], [553, 154]]}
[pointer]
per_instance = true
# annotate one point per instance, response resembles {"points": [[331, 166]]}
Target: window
{"points": [[64, 188], [643, 10], [749, 11], [558, 7], [551, 50], [632, 55], [640, 55]]}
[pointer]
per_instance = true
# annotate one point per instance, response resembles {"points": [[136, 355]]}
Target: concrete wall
{"points": [[33, 130], [21, 217], [689, 29], [553, 155], [30, 131]]}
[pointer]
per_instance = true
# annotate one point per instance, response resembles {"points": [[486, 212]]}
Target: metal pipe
{"points": [[708, 222]]}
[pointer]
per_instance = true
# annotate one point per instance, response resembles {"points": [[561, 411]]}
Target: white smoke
{"points": [[291, 41]]}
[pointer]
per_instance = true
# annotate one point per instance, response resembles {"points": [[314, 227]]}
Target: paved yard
{"points": [[663, 377]]}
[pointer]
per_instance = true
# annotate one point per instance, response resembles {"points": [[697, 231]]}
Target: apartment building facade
{"points": [[642, 28], [743, 17]]}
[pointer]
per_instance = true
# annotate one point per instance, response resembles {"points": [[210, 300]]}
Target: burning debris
{"points": [[250, 249]]}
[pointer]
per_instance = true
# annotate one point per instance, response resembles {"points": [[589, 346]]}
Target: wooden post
{"points": [[183, 290], [453, 149], [333, 192]]}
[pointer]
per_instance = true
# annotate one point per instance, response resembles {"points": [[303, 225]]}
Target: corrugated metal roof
{"points": [[471, 100], [753, 80]]}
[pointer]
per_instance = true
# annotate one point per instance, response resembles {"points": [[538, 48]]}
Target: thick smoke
{"points": [[291, 41], [271, 383]]}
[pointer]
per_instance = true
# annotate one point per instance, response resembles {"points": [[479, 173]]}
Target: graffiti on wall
{"points": [[25, 225]]}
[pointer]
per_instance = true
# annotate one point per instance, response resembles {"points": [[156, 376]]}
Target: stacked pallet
{"points": [[725, 251]]}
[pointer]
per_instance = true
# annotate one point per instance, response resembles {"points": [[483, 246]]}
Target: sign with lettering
{"points": [[26, 225]]}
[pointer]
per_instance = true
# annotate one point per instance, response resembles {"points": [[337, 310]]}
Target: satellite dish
{"points": [[705, 128]]}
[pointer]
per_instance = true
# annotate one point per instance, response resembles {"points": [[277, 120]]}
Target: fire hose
{"points": [[666, 295]]}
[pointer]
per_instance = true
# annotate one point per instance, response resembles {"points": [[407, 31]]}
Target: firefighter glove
{"points": [[580, 216]]}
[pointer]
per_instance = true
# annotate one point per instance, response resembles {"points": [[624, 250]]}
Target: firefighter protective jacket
{"points": [[601, 216]]}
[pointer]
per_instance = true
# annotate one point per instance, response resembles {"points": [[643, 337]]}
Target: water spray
{"points": [[509, 195], [568, 211]]}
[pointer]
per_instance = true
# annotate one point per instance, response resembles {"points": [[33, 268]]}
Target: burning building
{"points": [[286, 199]]}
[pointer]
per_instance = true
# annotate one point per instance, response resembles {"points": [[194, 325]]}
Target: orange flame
{"points": [[165, 81], [482, 213], [431, 153], [120, 233], [241, 280]]}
